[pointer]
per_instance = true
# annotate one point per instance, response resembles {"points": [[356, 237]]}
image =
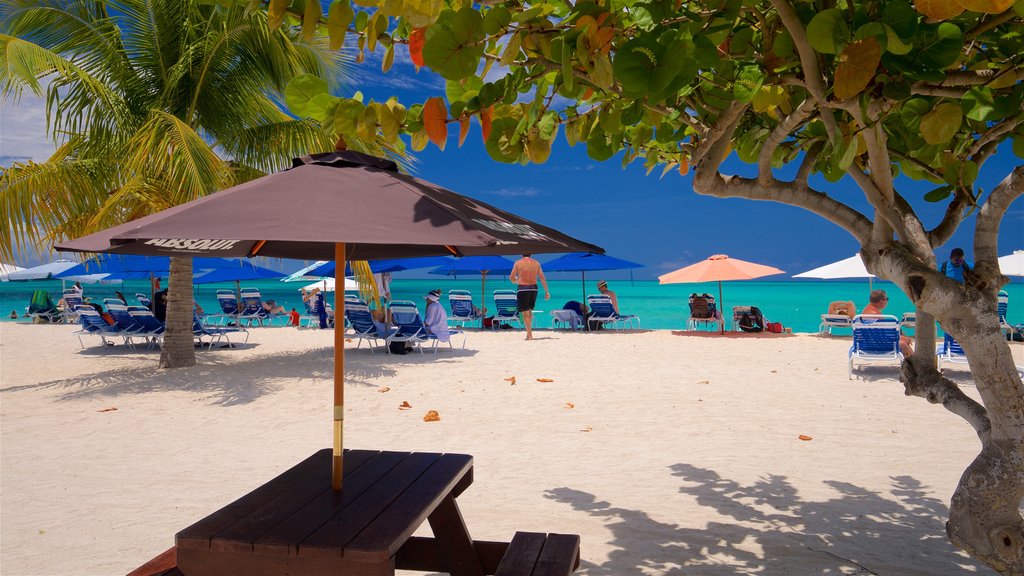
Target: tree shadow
{"points": [[774, 531], [217, 375]]}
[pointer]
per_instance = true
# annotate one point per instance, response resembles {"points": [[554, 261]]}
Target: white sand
{"points": [[681, 455]]}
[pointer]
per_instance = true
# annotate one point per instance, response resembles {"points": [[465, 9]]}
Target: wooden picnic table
{"points": [[296, 524]]}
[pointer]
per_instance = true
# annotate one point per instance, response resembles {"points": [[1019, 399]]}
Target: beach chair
{"points": [[151, 328], [876, 338], [127, 324], [747, 319], [703, 312], [214, 333], [949, 351], [601, 310], [253, 310], [461, 304], [41, 306], [144, 300], [227, 301], [94, 325], [361, 322], [506, 307], [72, 298], [565, 318], [1015, 333], [408, 325]]}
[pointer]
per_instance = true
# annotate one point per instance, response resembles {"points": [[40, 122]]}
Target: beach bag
{"points": [[751, 321], [699, 306], [774, 327], [397, 347], [488, 322]]}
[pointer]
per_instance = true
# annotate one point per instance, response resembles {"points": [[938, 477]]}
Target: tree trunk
{"points": [[984, 515], [178, 350]]}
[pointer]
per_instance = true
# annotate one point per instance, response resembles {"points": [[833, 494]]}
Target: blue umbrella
{"points": [[584, 262], [55, 269], [127, 267], [238, 271], [378, 266], [482, 265]]}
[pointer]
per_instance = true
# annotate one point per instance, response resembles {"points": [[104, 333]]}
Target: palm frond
{"points": [[167, 149]]}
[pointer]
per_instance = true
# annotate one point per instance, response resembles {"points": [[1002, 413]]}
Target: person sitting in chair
{"points": [[877, 302], [847, 308], [436, 319], [273, 307]]}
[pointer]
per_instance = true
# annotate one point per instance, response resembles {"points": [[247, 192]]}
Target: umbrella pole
{"points": [[583, 284], [721, 308], [483, 294], [339, 368]]}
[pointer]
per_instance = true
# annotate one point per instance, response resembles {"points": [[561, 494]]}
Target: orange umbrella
{"points": [[718, 268]]}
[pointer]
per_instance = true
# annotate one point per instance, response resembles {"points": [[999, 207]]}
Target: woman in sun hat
{"points": [[436, 319]]}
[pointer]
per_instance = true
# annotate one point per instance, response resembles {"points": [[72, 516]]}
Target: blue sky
{"points": [[659, 222]]}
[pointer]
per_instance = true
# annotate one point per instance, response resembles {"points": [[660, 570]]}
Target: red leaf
{"points": [[435, 121], [485, 121], [416, 40], [463, 129]]}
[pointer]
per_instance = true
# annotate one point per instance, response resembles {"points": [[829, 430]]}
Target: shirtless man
{"points": [[525, 274]]}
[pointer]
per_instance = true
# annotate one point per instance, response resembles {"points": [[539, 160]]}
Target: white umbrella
{"points": [[327, 285], [6, 269], [1012, 264], [852, 267], [48, 271]]}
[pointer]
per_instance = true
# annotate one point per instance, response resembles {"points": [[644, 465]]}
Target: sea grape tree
{"points": [[877, 91]]}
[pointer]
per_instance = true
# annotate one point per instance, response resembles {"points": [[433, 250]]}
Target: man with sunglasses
{"points": [[956, 265]]}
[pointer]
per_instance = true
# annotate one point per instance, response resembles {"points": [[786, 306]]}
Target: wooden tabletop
{"points": [[296, 524]]}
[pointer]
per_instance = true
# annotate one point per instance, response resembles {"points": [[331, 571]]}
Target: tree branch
{"points": [[780, 133], [986, 230]]}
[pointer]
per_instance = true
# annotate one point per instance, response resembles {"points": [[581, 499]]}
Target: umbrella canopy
{"points": [[718, 268], [352, 207], [584, 263], [387, 265], [304, 274], [238, 270], [6, 269], [129, 267], [852, 267], [1012, 264], [54, 270], [482, 265], [347, 198], [329, 285]]}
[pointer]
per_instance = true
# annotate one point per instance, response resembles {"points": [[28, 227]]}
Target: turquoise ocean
{"points": [[798, 304]]}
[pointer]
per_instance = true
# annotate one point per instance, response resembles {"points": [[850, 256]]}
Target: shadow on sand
{"points": [[217, 375], [900, 532]]}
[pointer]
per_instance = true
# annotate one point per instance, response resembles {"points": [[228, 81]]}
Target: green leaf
{"points": [[464, 89], [599, 145], [502, 144], [1017, 145], [901, 16], [496, 20], [748, 83], [941, 124], [939, 194], [339, 17], [828, 31], [979, 104], [894, 43], [455, 45], [938, 46], [346, 117], [320, 106], [300, 91]]}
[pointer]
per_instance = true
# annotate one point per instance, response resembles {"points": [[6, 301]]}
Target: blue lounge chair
{"points": [[151, 328], [228, 303], [408, 325], [93, 324], [123, 320], [1002, 307], [363, 327], [876, 338], [506, 307], [703, 312], [72, 298], [144, 300], [461, 304], [215, 333], [950, 351], [601, 310], [253, 310]]}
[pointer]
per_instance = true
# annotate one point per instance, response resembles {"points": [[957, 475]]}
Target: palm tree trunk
{"points": [[178, 350]]}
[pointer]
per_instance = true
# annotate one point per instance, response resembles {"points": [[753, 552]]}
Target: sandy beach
{"points": [[667, 453]]}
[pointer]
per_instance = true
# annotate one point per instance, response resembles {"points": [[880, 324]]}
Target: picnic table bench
{"points": [[297, 524]]}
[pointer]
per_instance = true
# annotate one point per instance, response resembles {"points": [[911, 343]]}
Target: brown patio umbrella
{"points": [[339, 205]]}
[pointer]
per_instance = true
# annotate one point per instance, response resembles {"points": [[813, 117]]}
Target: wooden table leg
{"points": [[453, 540]]}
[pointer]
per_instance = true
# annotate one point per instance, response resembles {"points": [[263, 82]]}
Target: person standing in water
{"points": [[526, 272]]}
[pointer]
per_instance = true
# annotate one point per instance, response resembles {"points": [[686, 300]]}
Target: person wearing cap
{"points": [[526, 272], [436, 319], [956, 265]]}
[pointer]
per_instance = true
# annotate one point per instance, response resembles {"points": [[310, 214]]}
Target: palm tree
{"points": [[153, 103]]}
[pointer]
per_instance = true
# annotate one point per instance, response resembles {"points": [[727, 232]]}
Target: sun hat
{"points": [[602, 283], [433, 295]]}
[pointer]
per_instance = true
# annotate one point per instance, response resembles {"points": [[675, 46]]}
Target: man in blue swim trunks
{"points": [[526, 272]]}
